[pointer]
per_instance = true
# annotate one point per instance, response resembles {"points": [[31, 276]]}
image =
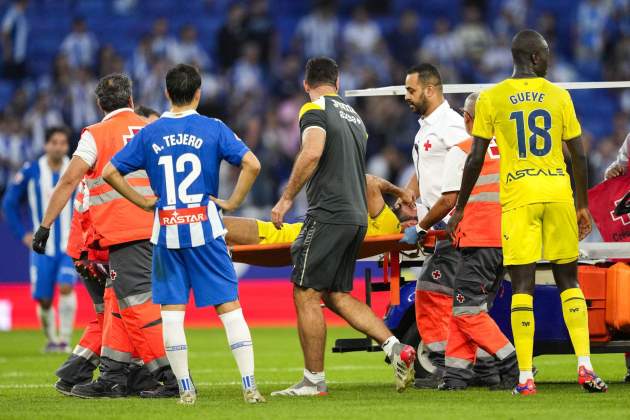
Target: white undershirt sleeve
{"points": [[86, 149], [453, 169], [455, 133]]}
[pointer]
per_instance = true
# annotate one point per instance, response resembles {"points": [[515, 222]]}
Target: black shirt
{"points": [[336, 191]]}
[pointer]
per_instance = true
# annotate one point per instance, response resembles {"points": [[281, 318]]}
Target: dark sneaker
{"points": [[427, 382], [140, 379], [509, 375], [627, 378], [162, 391], [451, 386], [489, 381], [100, 388], [64, 387]]}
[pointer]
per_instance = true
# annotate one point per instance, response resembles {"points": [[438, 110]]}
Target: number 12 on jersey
{"points": [[536, 131], [182, 189]]}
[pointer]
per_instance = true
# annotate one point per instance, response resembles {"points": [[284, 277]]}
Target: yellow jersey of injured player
{"points": [[385, 223]]}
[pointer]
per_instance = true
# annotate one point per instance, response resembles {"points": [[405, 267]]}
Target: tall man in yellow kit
{"points": [[531, 118]]}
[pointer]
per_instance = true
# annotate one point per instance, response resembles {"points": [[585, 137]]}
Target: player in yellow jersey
{"points": [[531, 118], [382, 219]]}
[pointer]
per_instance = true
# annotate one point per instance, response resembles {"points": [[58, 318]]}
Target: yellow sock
{"points": [[576, 319], [523, 329]]}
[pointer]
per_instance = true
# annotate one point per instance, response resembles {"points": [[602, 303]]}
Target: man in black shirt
{"points": [[331, 163]]}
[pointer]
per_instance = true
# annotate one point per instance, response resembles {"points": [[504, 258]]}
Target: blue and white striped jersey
{"points": [[36, 180], [182, 154]]}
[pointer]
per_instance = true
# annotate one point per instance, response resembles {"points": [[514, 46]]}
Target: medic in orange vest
{"points": [[478, 278], [80, 365], [132, 323]]}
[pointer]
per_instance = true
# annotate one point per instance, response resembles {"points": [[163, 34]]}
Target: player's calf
{"points": [[240, 341]]}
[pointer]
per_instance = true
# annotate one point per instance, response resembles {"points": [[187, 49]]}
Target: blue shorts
{"points": [[47, 271], [206, 269]]}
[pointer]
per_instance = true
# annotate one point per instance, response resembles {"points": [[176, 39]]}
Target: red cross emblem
{"points": [[460, 298], [437, 274], [427, 145], [112, 274], [624, 218], [133, 130]]}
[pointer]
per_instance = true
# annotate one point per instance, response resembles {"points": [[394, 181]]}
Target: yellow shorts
{"points": [[386, 223], [537, 231], [268, 234]]}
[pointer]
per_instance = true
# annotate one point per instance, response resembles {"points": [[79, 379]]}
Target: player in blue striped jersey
{"points": [[34, 183], [182, 153]]}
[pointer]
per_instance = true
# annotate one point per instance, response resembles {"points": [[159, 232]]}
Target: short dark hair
{"points": [[525, 43], [51, 131], [321, 71], [428, 74], [113, 92], [182, 81], [145, 111]]}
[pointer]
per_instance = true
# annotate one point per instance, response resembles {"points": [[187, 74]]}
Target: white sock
{"points": [[67, 311], [240, 341], [585, 361], [176, 347], [314, 377], [47, 319], [524, 375], [388, 345]]}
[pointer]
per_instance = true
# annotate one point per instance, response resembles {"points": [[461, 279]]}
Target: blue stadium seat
{"points": [[6, 92], [595, 108]]}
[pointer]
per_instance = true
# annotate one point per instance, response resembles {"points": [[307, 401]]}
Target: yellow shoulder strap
{"points": [[308, 107]]}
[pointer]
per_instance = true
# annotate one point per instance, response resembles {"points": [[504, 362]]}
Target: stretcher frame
{"points": [[392, 256]]}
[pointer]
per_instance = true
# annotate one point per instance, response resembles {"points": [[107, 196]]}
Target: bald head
{"points": [[530, 52], [469, 104], [469, 111]]}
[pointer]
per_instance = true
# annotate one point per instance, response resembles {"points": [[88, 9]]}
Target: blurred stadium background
{"points": [[252, 55]]}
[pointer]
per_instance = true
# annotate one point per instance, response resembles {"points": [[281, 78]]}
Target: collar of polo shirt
{"points": [[433, 117]]}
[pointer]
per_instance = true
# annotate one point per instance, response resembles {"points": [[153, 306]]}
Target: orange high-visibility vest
{"points": [[481, 225], [76, 238], [114, 219]]}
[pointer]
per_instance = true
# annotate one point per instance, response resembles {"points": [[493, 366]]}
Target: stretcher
{"points": [[551, 336], [387, 247]]}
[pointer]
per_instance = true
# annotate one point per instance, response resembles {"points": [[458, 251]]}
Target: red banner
{"points": [[265, 303], [603, 199]]}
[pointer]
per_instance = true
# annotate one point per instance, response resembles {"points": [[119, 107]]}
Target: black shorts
{"points": [[477, 280], [324, 255]]}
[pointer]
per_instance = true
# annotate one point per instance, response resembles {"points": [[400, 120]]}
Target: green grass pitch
{"points": [[360, 384]]}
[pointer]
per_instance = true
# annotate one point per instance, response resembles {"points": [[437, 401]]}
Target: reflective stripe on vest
{"points": [[488, 179], [481, 226], [484, 197], [112, 195], [98, 181]]}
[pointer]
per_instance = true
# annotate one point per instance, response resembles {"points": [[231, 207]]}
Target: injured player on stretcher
{"points": [[382, 219]]}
